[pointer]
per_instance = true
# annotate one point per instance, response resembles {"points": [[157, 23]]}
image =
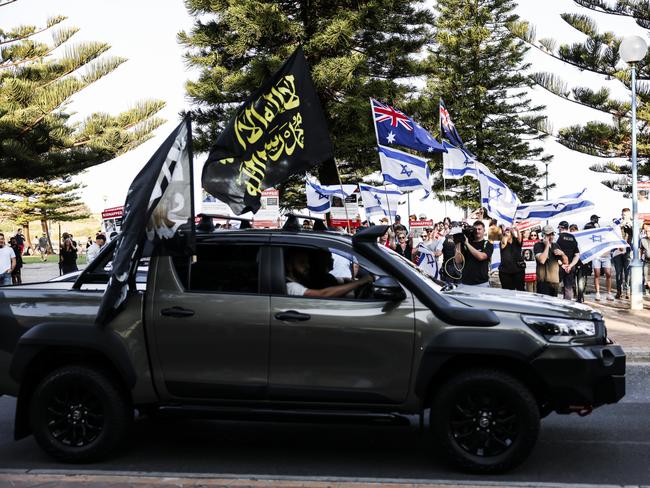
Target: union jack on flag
{"points": [[384, 112], [448, 129], [396, 128]]}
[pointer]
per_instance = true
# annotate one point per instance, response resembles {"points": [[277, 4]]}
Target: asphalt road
{"points": [[612, 446]]}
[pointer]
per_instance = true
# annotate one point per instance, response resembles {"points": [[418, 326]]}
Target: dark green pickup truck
{"points": [[219, 331]]}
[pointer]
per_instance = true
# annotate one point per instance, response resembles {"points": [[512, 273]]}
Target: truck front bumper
{"points": [[582, 377]]}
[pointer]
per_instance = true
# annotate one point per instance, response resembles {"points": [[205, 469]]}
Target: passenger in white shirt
{"points": [[297, 266], [95, 249]]}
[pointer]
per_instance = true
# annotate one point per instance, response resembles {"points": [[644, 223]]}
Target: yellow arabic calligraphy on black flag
{"points": [[279, 131]]}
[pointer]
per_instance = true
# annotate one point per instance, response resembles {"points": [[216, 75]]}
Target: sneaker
{"points": [[618, 295], [627, 295], [610, 297], [597, 297]]}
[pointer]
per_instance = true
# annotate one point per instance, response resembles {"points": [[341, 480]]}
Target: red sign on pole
{"points": [[112, 213]]}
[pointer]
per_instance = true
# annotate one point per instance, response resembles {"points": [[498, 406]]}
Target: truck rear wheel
{"points": [[485, 421], [79, 414]]}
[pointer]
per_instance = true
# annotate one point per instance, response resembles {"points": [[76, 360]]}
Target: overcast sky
{"points": [[144, 31]]}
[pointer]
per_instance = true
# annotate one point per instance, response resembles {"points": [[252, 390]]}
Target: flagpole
{"points": [[444, 180], [444, 190], [345, 207], [408, 204]]}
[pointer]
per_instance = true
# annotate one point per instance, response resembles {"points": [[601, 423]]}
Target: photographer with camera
{"points": [[476, 253]]}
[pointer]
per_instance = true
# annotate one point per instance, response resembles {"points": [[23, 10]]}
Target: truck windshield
{"points": [[415, 270]]}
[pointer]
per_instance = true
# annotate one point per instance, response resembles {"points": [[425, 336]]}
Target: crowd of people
{"points": [[69, 250], [463, 254]]}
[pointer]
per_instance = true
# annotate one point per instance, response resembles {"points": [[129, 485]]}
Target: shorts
{"points": [[646, 270], [601, 262]]}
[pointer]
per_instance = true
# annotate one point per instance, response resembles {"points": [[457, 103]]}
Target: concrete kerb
{"points": [[112, 479]]}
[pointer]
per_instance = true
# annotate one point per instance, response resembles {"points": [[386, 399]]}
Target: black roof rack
{"points": [[206, 223], [370, 234], [293, 225]]}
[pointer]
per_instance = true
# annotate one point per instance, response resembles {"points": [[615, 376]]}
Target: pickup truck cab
{"points": [[219, 331]]}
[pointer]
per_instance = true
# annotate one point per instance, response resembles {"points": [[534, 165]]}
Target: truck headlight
{"points": [[557, 329]]}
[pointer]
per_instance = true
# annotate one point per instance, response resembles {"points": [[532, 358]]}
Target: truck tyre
{"points": [[484, 421], [79, 414]]}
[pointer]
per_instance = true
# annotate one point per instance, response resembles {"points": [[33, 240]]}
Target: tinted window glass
{"points": [[323, 268], [225, 269]]}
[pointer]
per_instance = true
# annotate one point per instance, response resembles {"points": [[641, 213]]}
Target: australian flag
{"points": [[396, 128], [448, 129]]}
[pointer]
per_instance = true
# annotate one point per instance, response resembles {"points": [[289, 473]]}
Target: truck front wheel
{"points": [[79, 414], [485, 421]]}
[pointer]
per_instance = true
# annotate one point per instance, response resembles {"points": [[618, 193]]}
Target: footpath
{"points": [[164, 480]]}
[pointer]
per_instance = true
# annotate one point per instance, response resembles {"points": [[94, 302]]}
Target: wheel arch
{"points": [[450, 366], [51, 345]]}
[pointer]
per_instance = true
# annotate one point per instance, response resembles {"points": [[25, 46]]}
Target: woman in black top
{"points": [[68, 257], [512, 267], [16, 278], [403, 246]]}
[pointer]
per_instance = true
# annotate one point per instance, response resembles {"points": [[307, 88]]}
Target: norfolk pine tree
{"points": [[356, 50], [476, 66], [599, 54], [38, 143]]}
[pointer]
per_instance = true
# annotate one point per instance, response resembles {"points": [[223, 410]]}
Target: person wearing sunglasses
{"points": [[403, 246], [549, 258]]}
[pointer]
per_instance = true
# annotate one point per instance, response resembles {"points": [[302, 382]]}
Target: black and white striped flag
{"points": [[159, 203]]}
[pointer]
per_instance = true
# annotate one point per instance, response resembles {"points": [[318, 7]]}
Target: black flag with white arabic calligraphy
{"points": [[279, 131]]}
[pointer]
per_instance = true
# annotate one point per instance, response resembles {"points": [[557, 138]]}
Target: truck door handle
{"points": [[292, 316], [177, 312]]}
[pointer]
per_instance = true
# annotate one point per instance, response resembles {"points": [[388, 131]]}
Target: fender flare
{"points": [[80, 335], [503, 344]]}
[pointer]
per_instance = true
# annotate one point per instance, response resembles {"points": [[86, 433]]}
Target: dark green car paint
{"points": [[235, 349]]}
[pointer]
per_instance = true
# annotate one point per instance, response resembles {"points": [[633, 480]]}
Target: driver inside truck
{"points": [[299, 275]]}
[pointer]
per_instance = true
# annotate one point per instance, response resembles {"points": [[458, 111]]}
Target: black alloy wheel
{"points": [[79, 413], [75, 415], [485, 421]]}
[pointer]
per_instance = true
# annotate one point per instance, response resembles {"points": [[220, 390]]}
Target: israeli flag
{"points": [[427, 262], [594, 242], [379, 200], [500, 201], [575, 195], [457, 163], [404, 170], [548, 209], [318, 196]]}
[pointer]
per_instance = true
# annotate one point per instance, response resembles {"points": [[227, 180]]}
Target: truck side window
{"points": [[225, 268]]}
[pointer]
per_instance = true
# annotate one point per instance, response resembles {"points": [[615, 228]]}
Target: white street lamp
{"points": [[632, 50]]}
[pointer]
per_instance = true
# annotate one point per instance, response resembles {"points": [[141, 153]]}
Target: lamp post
{"points": [[632, 50], [546, 163]]}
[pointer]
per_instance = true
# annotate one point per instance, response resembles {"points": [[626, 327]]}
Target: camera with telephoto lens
{"points": [[470, 232], [460, 230]]}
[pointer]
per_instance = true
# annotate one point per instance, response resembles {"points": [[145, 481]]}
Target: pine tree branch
{"points": [[25, 32]]}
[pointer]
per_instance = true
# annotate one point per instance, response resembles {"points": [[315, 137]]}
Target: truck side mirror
{"points": [[387, 288]]}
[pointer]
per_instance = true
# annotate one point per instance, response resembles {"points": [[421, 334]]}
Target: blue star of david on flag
{"points": [[404, 170], [597, 242]]}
